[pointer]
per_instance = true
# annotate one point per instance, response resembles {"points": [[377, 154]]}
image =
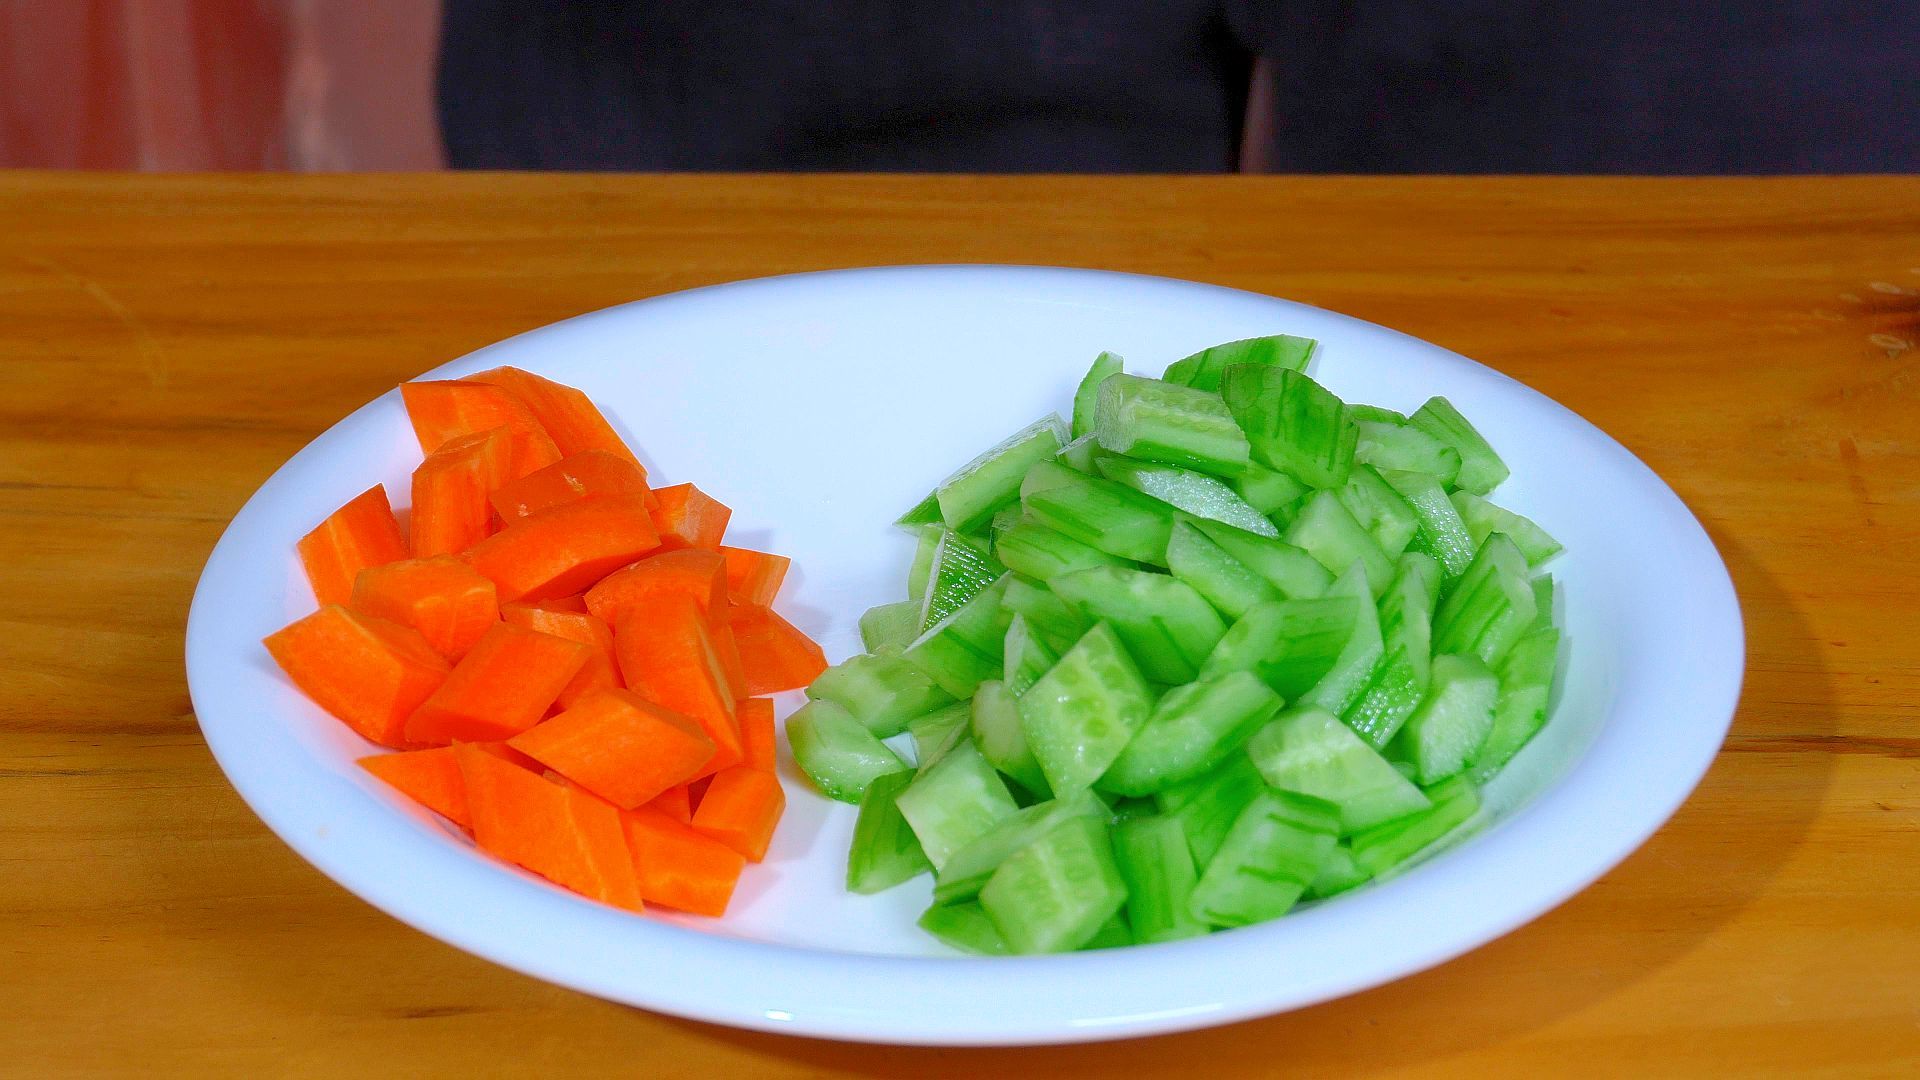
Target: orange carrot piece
{"points": [[429, 777], [679, 867], [499, 689], [693, 572], [571, 602], [566, 549], [689, 517], [586, 475], [360, 534], [368, 672], [755, 716], [566, 413], [441, 597], [445, 410], [561, 833], [667, 656], [774, 655], [675, 802], [600, 672], [450, 488], [620, 746], [754, 577], [740, 809]]}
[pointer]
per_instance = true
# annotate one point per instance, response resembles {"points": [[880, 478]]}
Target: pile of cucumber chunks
{"points": [[1225, 644]]}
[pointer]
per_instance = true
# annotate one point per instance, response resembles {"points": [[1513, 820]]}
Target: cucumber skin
{"points": [[879, 858], [823, 735]]}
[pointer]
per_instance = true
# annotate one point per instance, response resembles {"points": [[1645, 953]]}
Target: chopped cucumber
{"points": [[1190, 732], [1490, 607], [1379, 509], [1027, 655], [1326, 530], [881, 690], [970, 867], [1082, 455], [938, 732], [926, 540], [1268, 490], [1292, 423], [954, 802], [1353, 669], [1481, 470], [885, 852], [925, 512], [1085, 398], [1445, 732], [964, 926], [890, 626], [1406, 631], [1207, 806], [1167, 627], [969, 497], [1225, 581], [1032, 549], [1051, 619], [1112, 517], [964, 648], [1198, 494], [837, 752], [1310, 751], [1385, 847], [1290, 644], [1374, 414], [1543, 602], [1157, 867], [1275, 849], [1113, 934], [1057, 892], [1203, 369], [960, 571], [1003, 519], [1341, 873], [1526, 681], [1482, 519], [1159, 421], [1298, 575], [1080, 715], [1398, 447], [1441, 533], [995, 719]]}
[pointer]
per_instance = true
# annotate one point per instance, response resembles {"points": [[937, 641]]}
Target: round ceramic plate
{"points": [[819, 407]]}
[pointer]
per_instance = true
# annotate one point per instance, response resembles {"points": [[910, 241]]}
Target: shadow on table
{"points": [[1502, 991]]}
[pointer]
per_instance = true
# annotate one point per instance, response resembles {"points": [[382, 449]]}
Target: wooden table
{"points": [[166, 342]]}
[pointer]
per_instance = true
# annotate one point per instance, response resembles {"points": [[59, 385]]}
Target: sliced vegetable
{"points": [[741, 807], [837, 752], [1192, 729], [679, 867], [503, 686], [1292, 423], [1081, 714], [667, 656], [1087, 397], [586, 475], [620, 746], [1204, 369], [1309, 751], [774, 654], [564, 413], [1274, 850], [754, 577], [443, 598], [357, 536], [884, 852], [1163, 421], [561, 833], [1481, 470], [1196, 493], [450, 509], [685, 516], [566, 549], [970, 496], [366, 671], [443, 411], [602, 669]]}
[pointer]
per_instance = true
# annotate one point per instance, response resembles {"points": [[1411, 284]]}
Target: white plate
{"points": [[819, 406]]}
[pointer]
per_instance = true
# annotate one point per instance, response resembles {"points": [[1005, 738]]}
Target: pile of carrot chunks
{"points": [[568, 661]]}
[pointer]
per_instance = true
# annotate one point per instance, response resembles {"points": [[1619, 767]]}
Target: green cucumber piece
{"points": [[1526, 681], [961, 570], [1268, 490], [969, 498], [1032, 549], [1290, 644], [884, 852], [837, 752], [1481, 470], [1385, 847], [1167, 627], [1027, 655], [938, 732], [926, 540], [890, 626], [969, 869], [1207, 806], [1542, 602], [1056, 893], [1491, 607], [1483, 519], [1112, 517], [1088, 394], [1380, 510], [1080, 715], [954, 802], [995, 720], [1310, 751], [1052, 620], [1190, 732], [1292, 423], [925, 512], [1441, 533], [961, 650], [1225, 581], [1203, 370], [1298, 575], [1399, 447], [1198, 494], [1375, 414], [1081, 455], [1157, 867], [880, 690], [1452, 722], [1326, 530], [1113, 934], [1275, 849], [1341, 873], [1159, 421], [964, 926], [1353, 669], [1003, 519], [1406, 632]]}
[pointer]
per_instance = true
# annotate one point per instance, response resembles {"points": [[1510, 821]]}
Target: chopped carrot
{"points": [[499, 689], [755, 716], [679, 867], [774, 655], [693, 572], [566, 413], [689, 517], [360, 534], [586, 475], [754, 577], [570, 602], [442, 597], [667, 656], [445, 410], [561, 833], [740, 809], [600, 672], [620, 746], [566, 549], [675, 802], [430, 777], [450, 488], [367, 671]]}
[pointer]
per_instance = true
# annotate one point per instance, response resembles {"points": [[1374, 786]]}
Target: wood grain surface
{"points": [[166, 342]]}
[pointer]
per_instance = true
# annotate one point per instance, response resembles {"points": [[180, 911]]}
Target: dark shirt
{"points": [[1144, 86]]}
